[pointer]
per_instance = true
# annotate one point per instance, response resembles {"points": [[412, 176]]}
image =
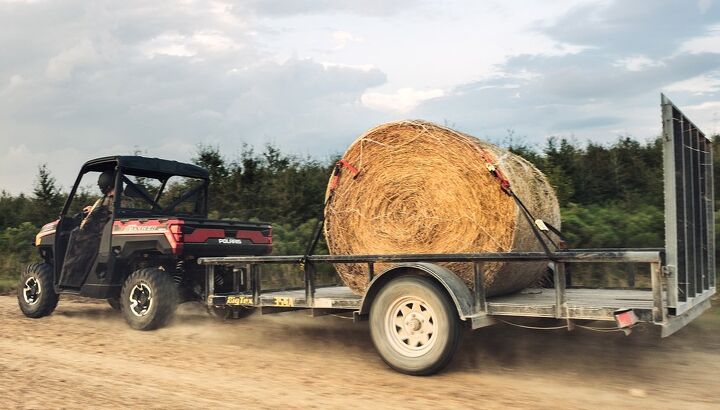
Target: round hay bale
{"points": [[424, 188]]}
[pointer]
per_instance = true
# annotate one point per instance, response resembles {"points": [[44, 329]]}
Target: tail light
{"points": [[176, 231], [625, 319]]}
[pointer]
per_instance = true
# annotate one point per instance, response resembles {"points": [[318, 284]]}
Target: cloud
{"points": [[707, 43], [196, 44], [118, 77], [62, 66], [97, 78], [704, 5], [342, 38], [365, 7], [582, 123], [646, 27], [401, 101], [713, 105], [361, 67], [637, 63], [705, 83], [166, 108], [610, 87]]}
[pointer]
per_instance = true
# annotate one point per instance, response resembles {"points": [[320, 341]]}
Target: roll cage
{"points": [[148, 168]]}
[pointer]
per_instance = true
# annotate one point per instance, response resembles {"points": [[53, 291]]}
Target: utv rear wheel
{"points": [[148, 299], [36, 294], [414, 325]]}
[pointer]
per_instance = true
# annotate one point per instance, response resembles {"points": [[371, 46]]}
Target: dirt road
{"points": [[85, 356]]}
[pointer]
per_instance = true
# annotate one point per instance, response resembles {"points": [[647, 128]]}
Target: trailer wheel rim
{"points": [[411, 326], [32, 290], [141, 299]]}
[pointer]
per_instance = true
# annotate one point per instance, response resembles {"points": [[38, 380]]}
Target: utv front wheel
{"points": [[36, 294], [148, 299]]}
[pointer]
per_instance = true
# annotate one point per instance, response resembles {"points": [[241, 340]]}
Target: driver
{"points": [[106, 182], [84, 241]]}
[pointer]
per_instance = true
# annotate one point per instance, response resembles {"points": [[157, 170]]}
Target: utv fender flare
{"points": [[453, 285]]}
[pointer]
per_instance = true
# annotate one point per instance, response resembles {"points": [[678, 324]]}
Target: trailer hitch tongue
{"points": [[625, 319]]}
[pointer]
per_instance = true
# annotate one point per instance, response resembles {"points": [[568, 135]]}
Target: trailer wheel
{"points": [[36, 293], [414, 326], [148, 298]]}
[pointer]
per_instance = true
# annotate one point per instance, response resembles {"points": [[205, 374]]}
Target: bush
{"points": [[613, 226], [16, 251]]}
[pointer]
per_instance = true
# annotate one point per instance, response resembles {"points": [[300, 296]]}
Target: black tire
{"points": [[115, 304], [414, 325], [148, 298], [36, 292], [222, 313]]}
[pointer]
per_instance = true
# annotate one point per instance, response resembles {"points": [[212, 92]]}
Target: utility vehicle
{"points": [[138, 246]]}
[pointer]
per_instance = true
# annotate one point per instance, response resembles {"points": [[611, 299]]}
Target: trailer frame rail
{"points": [[559, 302]]}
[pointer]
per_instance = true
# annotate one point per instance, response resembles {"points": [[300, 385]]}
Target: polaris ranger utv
{"points": [[138, 244]]}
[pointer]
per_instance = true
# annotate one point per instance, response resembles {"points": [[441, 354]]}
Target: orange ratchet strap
{"points": [[343, 163], [496, 172]]}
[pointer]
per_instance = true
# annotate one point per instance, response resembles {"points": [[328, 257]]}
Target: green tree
{"points": [[209, 157], [47, 200], [13, 209]]}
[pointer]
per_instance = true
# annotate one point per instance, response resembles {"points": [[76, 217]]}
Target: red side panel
{"points": [[152, 226]]}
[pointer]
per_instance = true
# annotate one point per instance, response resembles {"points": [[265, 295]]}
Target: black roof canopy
{"points": [[145, 166]]}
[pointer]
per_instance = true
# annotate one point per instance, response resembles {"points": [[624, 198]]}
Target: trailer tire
{"points": [[36, 292], [148, 298], [414, 325]]}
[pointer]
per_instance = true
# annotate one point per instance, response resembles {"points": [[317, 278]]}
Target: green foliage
{"points": [[16, 250], [611, 195], [270, 186], [626, 171], [613, 226], [13, 209], [293, 240], [47, 198]]}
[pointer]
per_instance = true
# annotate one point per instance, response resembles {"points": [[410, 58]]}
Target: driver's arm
{"points": [[88, 210]]}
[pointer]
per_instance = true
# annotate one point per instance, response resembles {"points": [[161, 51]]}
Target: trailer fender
{"points": [[455, 287]]}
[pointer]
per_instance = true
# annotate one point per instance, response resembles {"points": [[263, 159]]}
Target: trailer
{"points": [[418, 309]]}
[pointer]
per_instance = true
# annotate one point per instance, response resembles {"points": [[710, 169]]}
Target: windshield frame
{"points": [[201, 190]]}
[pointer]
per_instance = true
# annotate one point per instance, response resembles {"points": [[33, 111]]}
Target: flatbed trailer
{"points": [[418, 308]]}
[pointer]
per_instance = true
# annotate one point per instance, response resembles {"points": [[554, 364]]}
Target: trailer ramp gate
{"points": [[689, 212]]}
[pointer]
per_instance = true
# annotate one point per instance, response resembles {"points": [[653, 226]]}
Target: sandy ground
{"points": [[85, 356]]}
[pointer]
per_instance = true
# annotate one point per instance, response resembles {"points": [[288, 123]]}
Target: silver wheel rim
{"points": [[141, 299], [411, 326], [32, 290]]}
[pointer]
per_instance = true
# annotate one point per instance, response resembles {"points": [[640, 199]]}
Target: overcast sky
{"points": [[81, 79]]}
